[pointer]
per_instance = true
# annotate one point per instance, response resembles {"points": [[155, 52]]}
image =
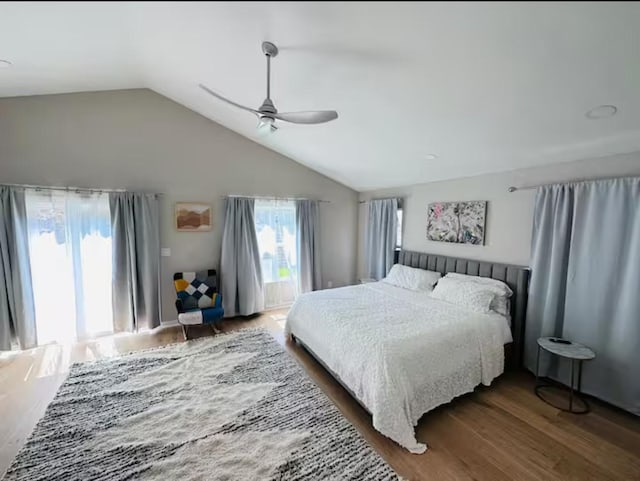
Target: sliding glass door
{"points": [[71, 264], [276, 230]]}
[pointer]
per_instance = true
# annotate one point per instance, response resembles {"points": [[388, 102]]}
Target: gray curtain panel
{"points": [[308, 245], [6, 319], [380, 237], [240, 271], [585, 283], [135, 225], [17, 309]]}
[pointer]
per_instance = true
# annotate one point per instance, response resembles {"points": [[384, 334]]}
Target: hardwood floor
{"points": [[503, 432]]}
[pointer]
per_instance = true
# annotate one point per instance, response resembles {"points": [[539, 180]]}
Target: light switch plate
{"points": [[165, 252]]}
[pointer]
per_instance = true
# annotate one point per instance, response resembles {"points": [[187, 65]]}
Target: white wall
{"points": [[139, 140], [509, 215]]}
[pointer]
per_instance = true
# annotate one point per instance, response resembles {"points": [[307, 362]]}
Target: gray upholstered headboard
{"points": [[516, 277]]}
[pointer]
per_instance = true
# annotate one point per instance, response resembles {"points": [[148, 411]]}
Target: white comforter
{"points": [[401, 352]]}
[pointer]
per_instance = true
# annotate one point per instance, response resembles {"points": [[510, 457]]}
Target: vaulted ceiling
{"points": [[486, 87]]}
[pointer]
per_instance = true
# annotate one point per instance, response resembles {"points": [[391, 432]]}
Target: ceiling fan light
{"points": [[266, 125]]}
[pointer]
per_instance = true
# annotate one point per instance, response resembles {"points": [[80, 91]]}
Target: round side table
{"points": [[574, 352]]}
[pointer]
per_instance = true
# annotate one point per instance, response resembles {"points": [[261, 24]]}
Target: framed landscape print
{"points": [[460, 222], [193, 217]]}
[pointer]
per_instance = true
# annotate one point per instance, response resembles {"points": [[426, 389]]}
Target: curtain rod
{"points": [[575, 181], [71, 189], [266, 197], [400, 199]]}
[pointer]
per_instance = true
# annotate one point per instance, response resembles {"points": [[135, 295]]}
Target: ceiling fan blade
{"points": [[310, 117], [211, 92]]}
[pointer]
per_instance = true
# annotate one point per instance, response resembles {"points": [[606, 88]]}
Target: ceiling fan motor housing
{"points": [[267, 107]]}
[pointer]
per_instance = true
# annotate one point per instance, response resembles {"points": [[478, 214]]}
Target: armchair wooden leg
{"points": [[185, 332], [215, 329]]}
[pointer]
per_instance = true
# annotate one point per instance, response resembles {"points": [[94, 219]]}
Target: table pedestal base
{"points": [[576, 404], [572, 389]]}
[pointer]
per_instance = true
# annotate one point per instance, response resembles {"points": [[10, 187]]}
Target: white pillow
{"points": [[502, 306], [412, 278], [472, 296], [487, 281], [500, 303]]}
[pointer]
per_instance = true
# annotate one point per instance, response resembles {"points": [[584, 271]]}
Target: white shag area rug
{"points": [[232, 407]]}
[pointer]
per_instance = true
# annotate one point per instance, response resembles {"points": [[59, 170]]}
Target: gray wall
{"points": [[509, 215], [139, 140]]}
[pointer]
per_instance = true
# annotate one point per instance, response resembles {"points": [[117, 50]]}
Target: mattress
{"points": [[400, 352]]}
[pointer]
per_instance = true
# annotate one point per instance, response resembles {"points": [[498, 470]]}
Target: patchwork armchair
{"points": [[198, 300]]}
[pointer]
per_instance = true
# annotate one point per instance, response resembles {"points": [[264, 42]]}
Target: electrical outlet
{"points": [[165, 252], [329, 284]]}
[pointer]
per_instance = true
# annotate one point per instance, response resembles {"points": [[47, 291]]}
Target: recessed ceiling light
{"points": [[5, 63], [601, 112], [431, 156]]}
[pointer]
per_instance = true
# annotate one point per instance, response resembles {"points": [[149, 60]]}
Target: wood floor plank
{"points": [[607, 424], [503, 432], [568, 432], [535, 450], [518, 447], [613, 433], [480, 460]]}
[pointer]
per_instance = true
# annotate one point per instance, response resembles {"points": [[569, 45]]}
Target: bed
{"points": [[402, 353]]}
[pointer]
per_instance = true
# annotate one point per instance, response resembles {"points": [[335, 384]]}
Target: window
{"points": [[276, 230], [399, 231], [71, 263]]}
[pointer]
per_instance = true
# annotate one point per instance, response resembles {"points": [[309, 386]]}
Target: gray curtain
{"points": [[380, 237], [135, 226], [308, 245], [17, 309], [240, 271], [585, 283]]}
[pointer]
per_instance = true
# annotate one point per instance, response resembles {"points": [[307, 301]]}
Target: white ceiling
{"points": [[487, 87]]}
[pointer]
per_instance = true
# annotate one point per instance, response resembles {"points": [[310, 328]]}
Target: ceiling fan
{"points": [[267, 113]]}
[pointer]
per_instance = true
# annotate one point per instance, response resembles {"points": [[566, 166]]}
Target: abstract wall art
{"points": [[460, 222], [193, 217]]}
